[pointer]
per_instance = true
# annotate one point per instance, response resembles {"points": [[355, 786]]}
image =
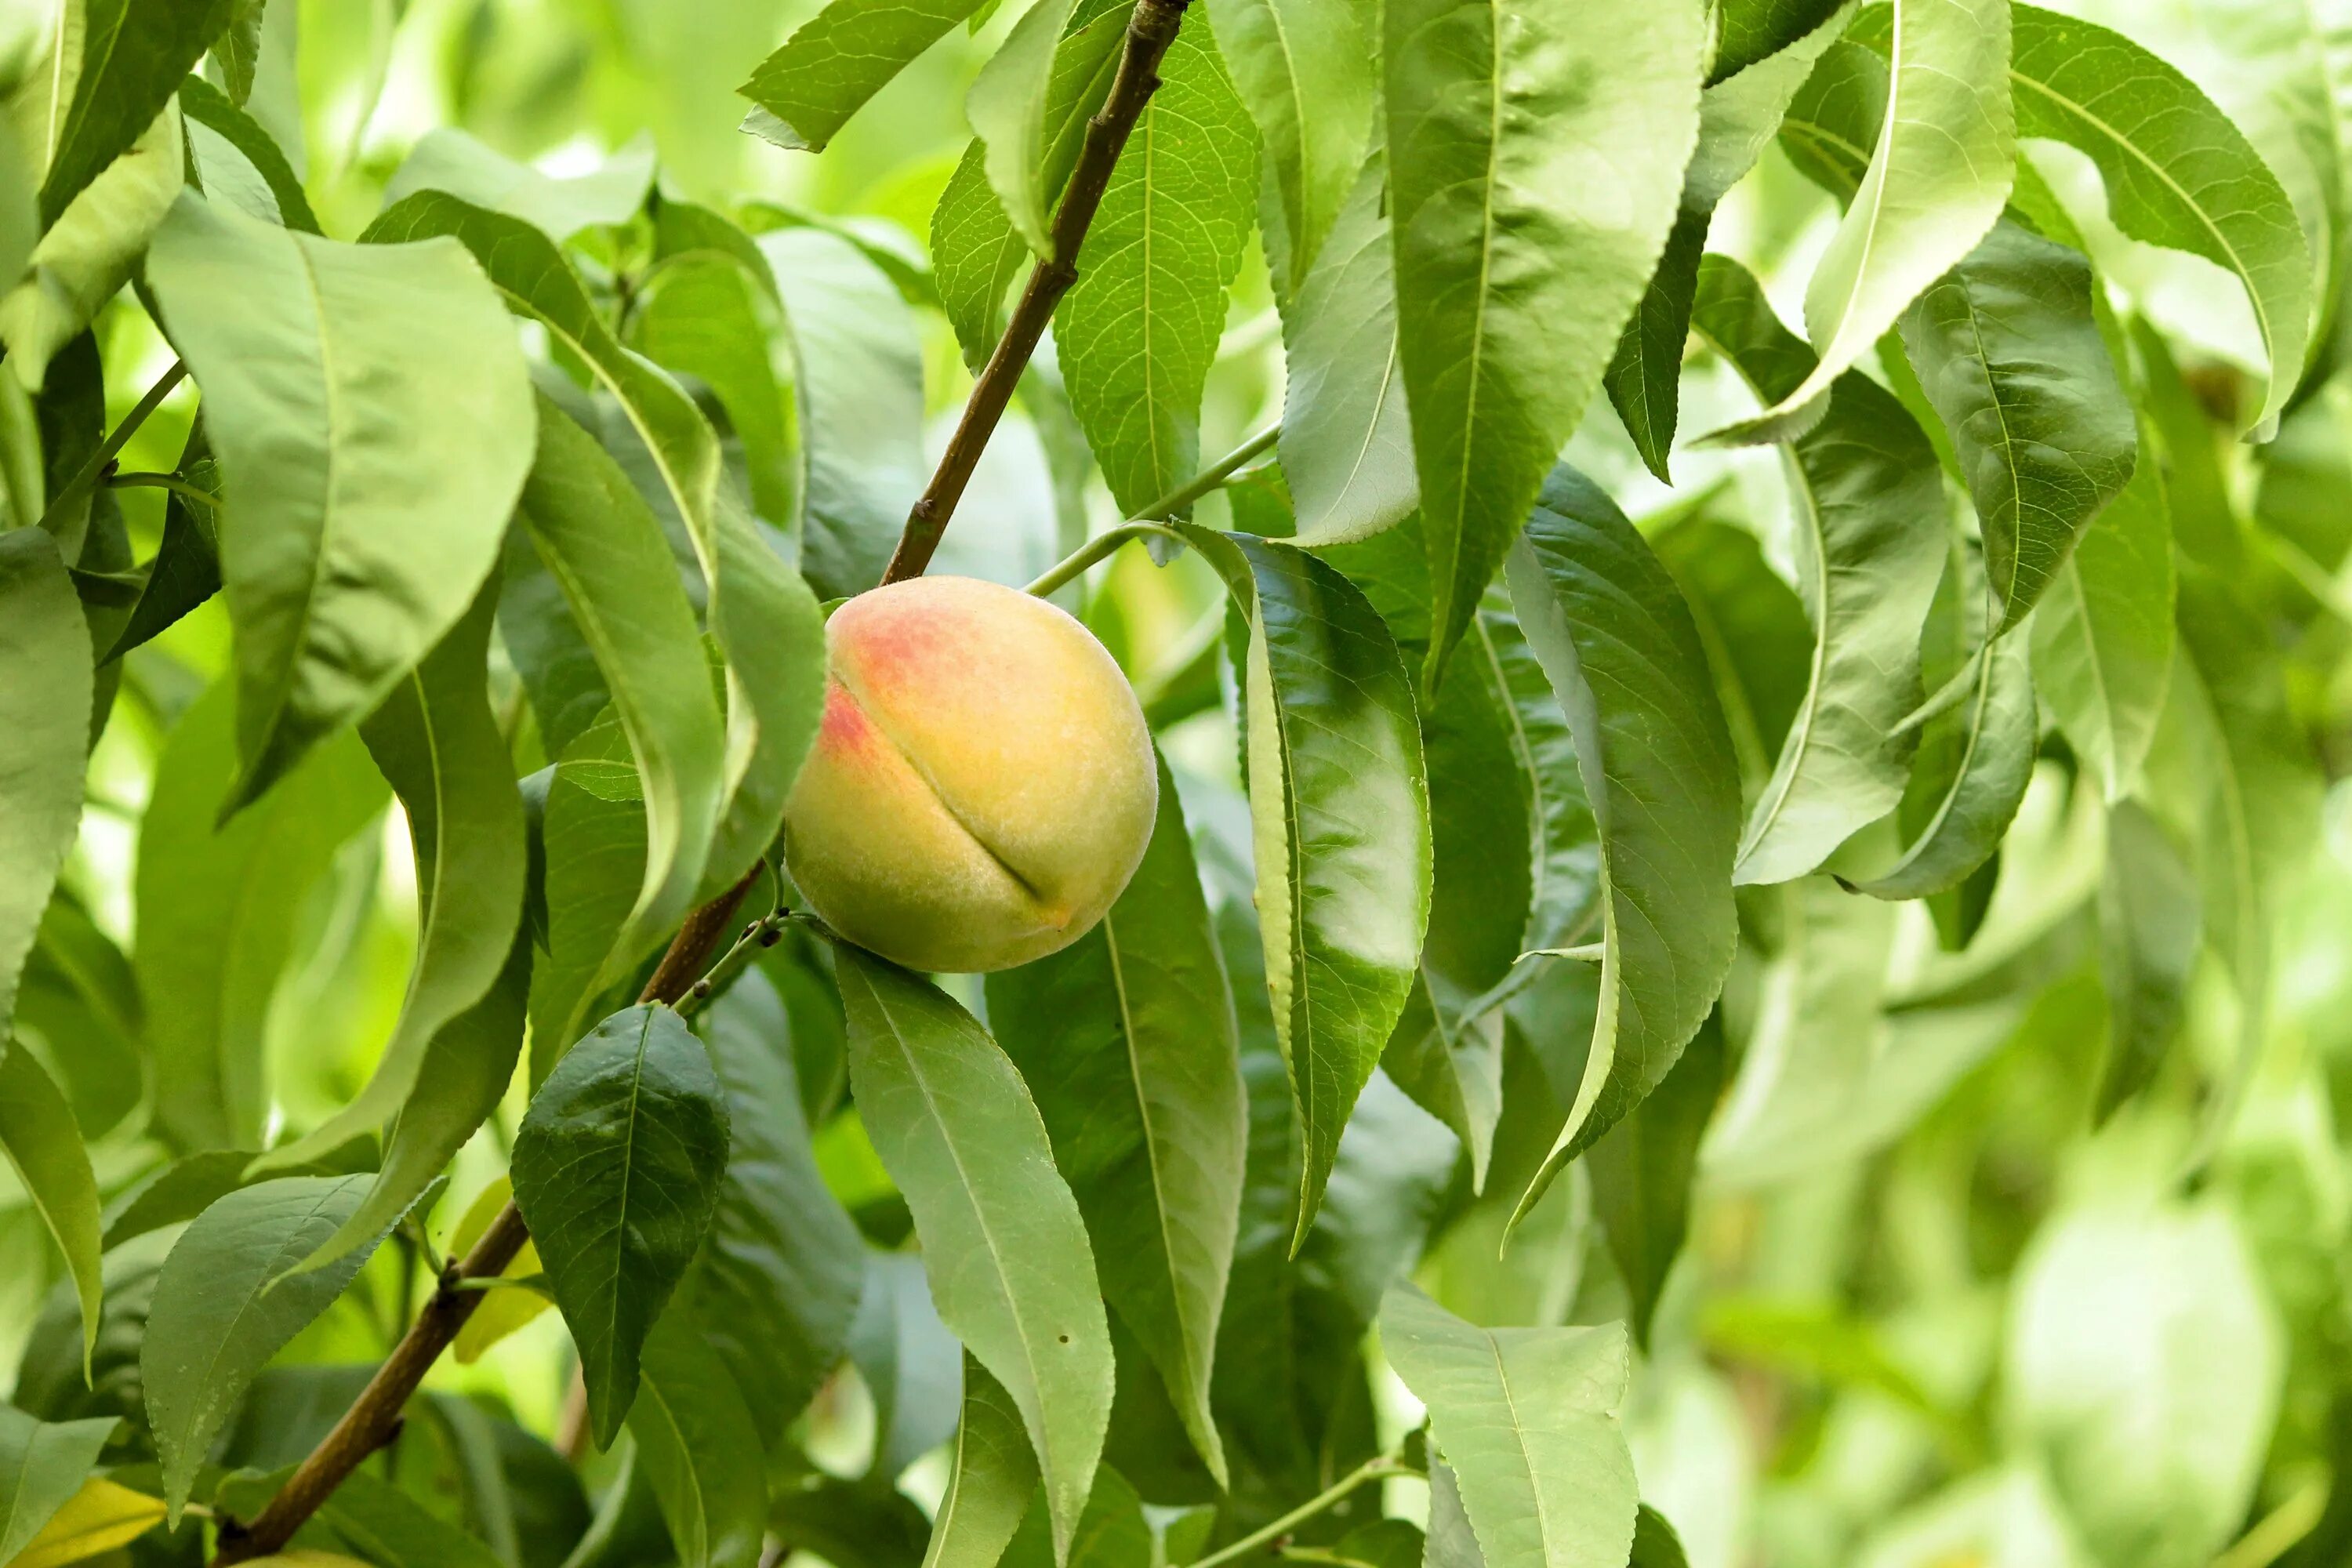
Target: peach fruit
{"points": [[982, 784]]}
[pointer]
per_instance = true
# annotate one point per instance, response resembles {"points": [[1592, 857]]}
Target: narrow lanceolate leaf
{"points": [[604, 545], [592, 844], [1009, 107], [909, 1362], [1614, 636], [994, 1478], [1002, 1238], [617, 1168], [39, 1135], [976, 253], [1737, 121], [858, 392], [44, 740], [210, 110], [438, 743], [226, 1301], [1978, 784], [1339, 808], [1938, 179], [1564, 847], [42, 1465], [1527, 1420], [837, 61], [1643, 1171], [1127, 1041], [781, 1277], [2103, 640], [1870, 544], [1536, 155], [2009, 353], [1748, 31], [133, 57], [2178, 172], [1346, 439], [1447, 1050], [1138, 331], [372, 419], [709, 314], [700, 1451], [1304, 69], [221, 906], [2149, 934]]}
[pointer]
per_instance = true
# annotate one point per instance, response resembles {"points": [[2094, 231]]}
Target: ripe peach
{"points": [[983, 786]]}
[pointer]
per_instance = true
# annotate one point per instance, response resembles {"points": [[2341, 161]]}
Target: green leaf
{"points": [[1737, 121], [837, 61], [1982, 758], [600, 540], [39, 1135], [1617, 642], [712, 314], [460, 1079], [995, 1478], [1137, 332], [173, 1195], [42, 1465], [701, 1450], [2150, 931], [1758, 643], [1526, 1419], [1656, 1544], [373, 417], [2143, 1367], [1447, 1050], [240, 137], [2178, 172], [1306, 71], [438, 743], [780, 1276], [858, 392], [1870, 545], [543, 642], [221, 907], [1002, 1238], [89, 250], [133, 56], [1833, 122], [1339, 809], [2010, 354], [1451, 1542], [1533, 191], [616, 1170], [976, 253], [909, 1360], [1748, 31], [1564, 847], [186, 569], [2103, 640], [1939, 177], [227, 1300], [446, 159], [593, 838], [1009, 107], [78, 1003], [45, 647], [1346, 439], [365, 1514], [1644, 1168], [1127, 1038]]}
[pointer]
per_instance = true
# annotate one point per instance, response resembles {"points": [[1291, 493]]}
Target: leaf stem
{"points": [[1098, 548], [1145, 523], [1373, 1469], [87, 479], [172, 482], [1150, 30]]}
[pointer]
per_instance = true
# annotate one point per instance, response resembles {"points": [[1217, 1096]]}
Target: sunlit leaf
{"points": [[45, 647], [1304, 69], [837, 61]]}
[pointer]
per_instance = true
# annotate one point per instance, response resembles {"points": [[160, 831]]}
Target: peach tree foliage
{"points": [[1665, 803]]}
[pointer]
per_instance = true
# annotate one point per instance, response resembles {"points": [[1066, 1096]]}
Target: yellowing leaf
{"points": [[101, 1517]]}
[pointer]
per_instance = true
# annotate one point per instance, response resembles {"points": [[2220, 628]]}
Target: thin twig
{"points": [[86, 478], [1150, 30], [1376, 1469], [172, 482], [1146, 523]]}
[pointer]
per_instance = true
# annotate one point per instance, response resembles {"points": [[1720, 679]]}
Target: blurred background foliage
{"points": [[1932, 1311]]}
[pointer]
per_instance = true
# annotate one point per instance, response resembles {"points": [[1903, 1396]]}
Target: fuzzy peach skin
{"points": [[983, 786]]}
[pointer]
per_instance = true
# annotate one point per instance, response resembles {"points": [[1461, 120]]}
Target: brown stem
{"points": [[374, 1417], [1150, 30]]}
